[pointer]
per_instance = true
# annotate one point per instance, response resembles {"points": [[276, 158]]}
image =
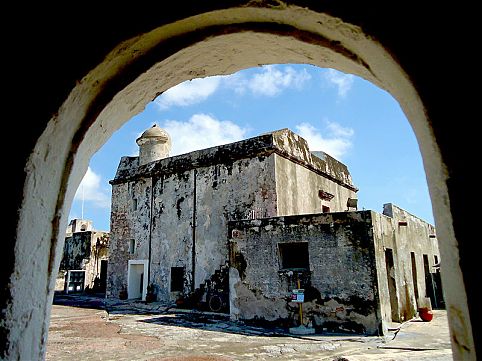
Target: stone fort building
{"points": [[257, 219], [84, 259]]}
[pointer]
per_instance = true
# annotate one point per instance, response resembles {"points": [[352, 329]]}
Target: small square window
{"points": [[294, 255]]}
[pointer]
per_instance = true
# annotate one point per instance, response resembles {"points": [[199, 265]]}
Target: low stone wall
{"points": [[331, 256]]}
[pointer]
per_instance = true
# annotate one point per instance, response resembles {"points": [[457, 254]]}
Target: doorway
{"points": [[429, 289], [414, 276], [137, 279], [392, 285], [103, 275]]}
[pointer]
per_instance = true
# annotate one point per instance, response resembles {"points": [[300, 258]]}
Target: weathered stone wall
{"points": [[383, 234], [403, 233], [301, 174], [297, 188], [60, 281], [77, 250], [241, 190], [171, 244], [83, 251], [130, 220], [203, 198], [340, 287], [294, 147], [99, 251]]}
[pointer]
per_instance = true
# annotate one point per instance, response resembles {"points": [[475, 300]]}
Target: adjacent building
{"points": [[84, 260], [240, 227], [360, 270]]}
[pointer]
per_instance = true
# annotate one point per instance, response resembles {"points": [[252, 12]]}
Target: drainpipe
{"points": [[151, 218], [193, 265]]}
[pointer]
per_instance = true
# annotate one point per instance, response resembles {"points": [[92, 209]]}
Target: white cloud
{"points": [[337, 130], [237, 82], [202, 131], [337, 141], [271, 80], [91, 190], [189, 92], [342, 81]]}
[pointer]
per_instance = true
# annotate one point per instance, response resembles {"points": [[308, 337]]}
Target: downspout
{"points": [[193, 265], [151, 218]]}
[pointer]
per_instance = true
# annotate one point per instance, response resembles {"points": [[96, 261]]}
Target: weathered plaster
{"points": [[83, 251], [172, 246], [154, 144], [340, 285], [130, 220], [201, 191], [295, 148], [199, 200], [346, 286], [303, 185], [416, 235]]}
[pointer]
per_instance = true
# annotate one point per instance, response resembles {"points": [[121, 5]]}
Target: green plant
{"points": [[151, 293]]}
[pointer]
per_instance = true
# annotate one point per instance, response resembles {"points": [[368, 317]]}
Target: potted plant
{"points": [[180, 301], [151, 293], [123, 293]]}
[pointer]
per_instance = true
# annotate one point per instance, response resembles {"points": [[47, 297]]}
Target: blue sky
{"points": [[341, 114]]}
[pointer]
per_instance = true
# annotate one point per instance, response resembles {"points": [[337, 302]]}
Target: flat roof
{"points": [[283, 142]]}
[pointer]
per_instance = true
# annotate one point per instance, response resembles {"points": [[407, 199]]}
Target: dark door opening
{"points": [[437, 280], [414, 276], [177, 279], [429, 285], [141, 284], [103, 275], [392, 285]]}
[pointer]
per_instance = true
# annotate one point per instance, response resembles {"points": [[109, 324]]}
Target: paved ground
{"points": [[82, 333]]}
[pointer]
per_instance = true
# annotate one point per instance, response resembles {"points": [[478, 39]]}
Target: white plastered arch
{"points": [[220, 42]]}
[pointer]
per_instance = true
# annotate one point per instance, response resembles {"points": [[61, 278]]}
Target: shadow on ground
{"points": [[210, 322], [171, 316], [100, 329], [221, 323], [94, 300]]}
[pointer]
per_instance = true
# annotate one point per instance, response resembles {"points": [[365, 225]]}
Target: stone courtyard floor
{"points": [[82, 329]]}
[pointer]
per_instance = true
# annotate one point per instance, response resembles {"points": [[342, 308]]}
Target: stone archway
{"points": [[134, 73]]}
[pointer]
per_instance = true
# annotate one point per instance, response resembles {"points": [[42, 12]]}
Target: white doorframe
{"points": [[144, 262]]}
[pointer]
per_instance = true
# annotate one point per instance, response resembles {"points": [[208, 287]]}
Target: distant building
{"points": [[84, 260], [240, 227]]}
